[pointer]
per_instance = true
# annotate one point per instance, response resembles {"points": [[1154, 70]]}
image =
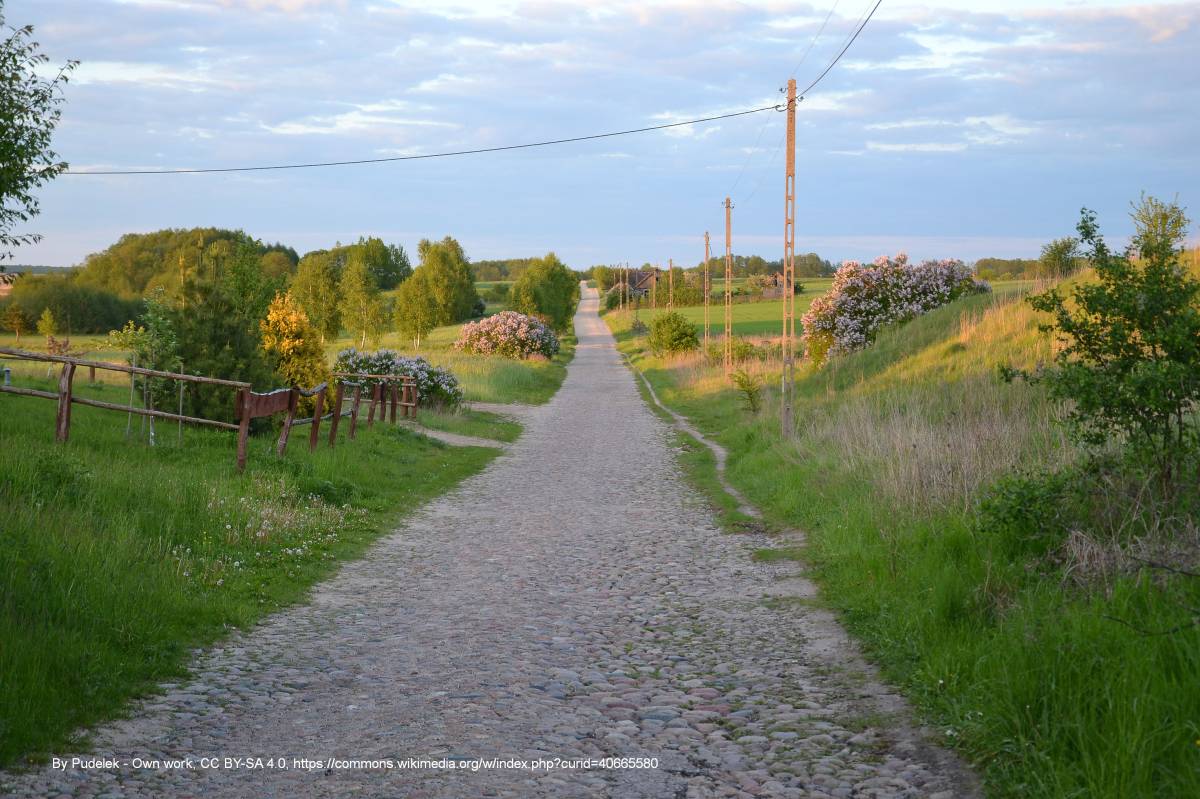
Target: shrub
{"points": [[865, 298], [435, 385], [743, 350], [1129, 367], [508, 333], [638, 328], [751, 388], [294, 344], [671, 333]]}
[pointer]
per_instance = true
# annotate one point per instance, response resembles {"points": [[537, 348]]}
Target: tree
{"points": [[605, 277], [360, 305], [1129, 365], [293, 343], [451, 280], [16, 320], [549, 290], [1059, 258], [416, 307], [30, 108], [315, 290], [47, 324]]}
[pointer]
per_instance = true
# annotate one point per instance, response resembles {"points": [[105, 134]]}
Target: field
{"points": [[1008, 655]]}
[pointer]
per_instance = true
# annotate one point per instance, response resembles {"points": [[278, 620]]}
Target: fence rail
{"points": [[397, 391]]}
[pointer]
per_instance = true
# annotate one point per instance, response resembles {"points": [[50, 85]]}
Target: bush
{"points": [[865, 298], [743, 350], [1129, 367], [435, 385], [508, 333], [670, 333], [751, 388], [78, 308]]}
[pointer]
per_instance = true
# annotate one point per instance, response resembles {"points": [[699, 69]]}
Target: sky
{"points": [[950, 129]]}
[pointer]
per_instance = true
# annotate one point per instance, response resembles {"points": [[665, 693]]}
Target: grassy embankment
{"points": [[117, 560], [1001, 647]]}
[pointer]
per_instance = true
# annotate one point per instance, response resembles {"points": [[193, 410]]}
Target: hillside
{"points": [[1021, 650]]}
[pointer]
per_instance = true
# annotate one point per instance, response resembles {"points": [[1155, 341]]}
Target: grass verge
{"points": [[117, 560], [466, 422], [1022, 670]]}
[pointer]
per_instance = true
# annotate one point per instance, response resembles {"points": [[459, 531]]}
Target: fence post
{"points": [[62, 428], [354, 409], [293, 400], [338, 391], [318, 409], [243, 401], [376, 395], [395, 394]]}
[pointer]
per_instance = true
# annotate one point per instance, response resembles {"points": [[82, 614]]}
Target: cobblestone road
{"points": [[574, 600]]}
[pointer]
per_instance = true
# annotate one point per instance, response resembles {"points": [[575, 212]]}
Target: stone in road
{"points": [[574, 600]]}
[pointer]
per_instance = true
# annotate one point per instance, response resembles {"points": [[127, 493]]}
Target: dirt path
{"points": [[574, 600]]}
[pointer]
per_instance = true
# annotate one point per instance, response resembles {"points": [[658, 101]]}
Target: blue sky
{"points": [[951, 129]]}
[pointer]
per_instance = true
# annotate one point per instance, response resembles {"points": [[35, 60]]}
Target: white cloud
{"points": [[917, 147]]}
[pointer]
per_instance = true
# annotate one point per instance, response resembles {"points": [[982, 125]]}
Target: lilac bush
{"points": [[866, 297], [508, 333], [435, 385]]}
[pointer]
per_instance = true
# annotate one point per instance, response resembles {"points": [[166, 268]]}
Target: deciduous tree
{"points": [[30, 108]]}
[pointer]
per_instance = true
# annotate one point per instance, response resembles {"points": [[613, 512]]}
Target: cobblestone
{"points": [[575, 599]]}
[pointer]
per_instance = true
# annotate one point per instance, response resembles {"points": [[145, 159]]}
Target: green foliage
{"points": [[315, 289], [750, 385], [549, 290], [605, 276], [118, 561], [416, 310], [451, 281], [140, 262], [293, 344], [152, 343], [79, 308], [216, 339], [498, 293], [501, 269], [15, 320], [30, 108], [47, 324], [670, 333], [1059, 258], [1006, 268], [1129, 365], [361, 308]]}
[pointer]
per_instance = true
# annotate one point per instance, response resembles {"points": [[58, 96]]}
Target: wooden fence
{"points": [[397, 391]]}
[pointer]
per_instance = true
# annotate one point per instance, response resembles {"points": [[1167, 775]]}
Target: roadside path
{"points": [[575, 599]]}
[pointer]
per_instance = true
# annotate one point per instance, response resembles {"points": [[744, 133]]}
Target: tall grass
{"points": [[1025, 672]]}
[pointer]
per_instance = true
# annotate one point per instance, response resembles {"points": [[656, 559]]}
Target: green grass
{"points": [[484, 378], [480, 424], [116, 559], [1026, 675]]}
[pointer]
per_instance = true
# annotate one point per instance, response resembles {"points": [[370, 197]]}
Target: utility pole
{"points": [[707, 291], [654, 288], [728, 289], [670, 284], [789, 269]]}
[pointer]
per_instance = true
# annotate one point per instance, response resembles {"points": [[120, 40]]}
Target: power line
{"points": [[838, 58], [803, 57], [448, 154]]}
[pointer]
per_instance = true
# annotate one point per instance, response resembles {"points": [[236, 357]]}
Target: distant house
{"points": [[7, 279], [641, 282]]}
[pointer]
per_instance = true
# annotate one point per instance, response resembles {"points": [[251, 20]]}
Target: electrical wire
{"points": [[838, 58], [448, 154], [804, 56]]}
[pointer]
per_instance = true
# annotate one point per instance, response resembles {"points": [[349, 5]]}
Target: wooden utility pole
{"points": [[789, 269], [728, 289], [670, 284], [707, 285], [654, 288]]}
